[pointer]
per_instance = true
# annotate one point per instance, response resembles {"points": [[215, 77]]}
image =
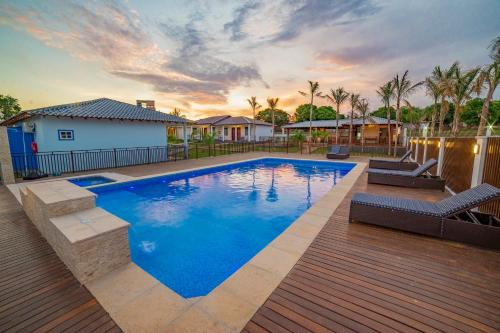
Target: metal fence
{"points": [[59, 162]]}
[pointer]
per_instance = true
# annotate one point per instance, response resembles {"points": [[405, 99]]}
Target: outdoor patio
{"points": [[353, 277]]}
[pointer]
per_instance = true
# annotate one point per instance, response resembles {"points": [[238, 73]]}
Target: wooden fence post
{"points": [[425, 150], [442, 142], [480, 149]]}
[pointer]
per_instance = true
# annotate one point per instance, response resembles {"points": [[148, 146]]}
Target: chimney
{"points": [[146, 103]]}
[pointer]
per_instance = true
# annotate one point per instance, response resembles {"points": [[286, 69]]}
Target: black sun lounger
{"points": [[450, 218], [338, 152], [415, 178], [394, 165]]}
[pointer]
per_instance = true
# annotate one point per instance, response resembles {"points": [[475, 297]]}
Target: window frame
{"points": [[61, 132]]}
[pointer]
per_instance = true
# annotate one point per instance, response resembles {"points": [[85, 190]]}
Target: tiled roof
{"points": [[210, 120], [102, 108], [228, 120], [346, 121], [241, 121]]}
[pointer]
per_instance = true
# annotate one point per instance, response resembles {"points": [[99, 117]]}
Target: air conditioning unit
{"points": [[28, 127]]}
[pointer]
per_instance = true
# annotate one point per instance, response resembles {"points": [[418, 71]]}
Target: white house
{"points": [[96, 124], [228, 128]]}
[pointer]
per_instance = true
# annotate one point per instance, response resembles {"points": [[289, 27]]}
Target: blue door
{"points": [[23, 159]]}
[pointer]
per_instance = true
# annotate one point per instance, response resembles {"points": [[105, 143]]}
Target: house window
{"points": [[66, 134], [246, 131], [226, 131]]}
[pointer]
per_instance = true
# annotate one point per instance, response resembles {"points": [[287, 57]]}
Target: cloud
{"points": [[319, 13], [241, 14]]}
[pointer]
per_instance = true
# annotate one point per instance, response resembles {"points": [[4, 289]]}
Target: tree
{"points": [[324, 113], [443, 77], [272, 103], [402, 89], [298, 136], [495, 50], [353, 100], [280, 117], [254, 105], [433, 90], [338, 96], [302, 113], [385, 93], [313, 91], [461, 90], [383, 112], [489, 77], [362, 107], [9, 106], [472, 110]]}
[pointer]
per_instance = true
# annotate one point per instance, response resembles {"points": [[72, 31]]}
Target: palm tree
{"points": [[402, 89], [353, 99], [272, 103], [490, 77], [495, 50], [443, 77], [338, 96], [254, 105], [463, 85], [362, 107], [433, 90], [385, 92], [313, 91]]}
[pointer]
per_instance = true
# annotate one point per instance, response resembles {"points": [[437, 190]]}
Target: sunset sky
{"points": [[207, 57]]}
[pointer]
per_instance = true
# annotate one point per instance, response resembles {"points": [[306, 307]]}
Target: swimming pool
{"points": [[90, 181], [192, 230]]}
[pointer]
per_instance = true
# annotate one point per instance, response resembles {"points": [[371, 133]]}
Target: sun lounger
{"points": [[338, 152], [450, 218], [394, 165], [416, 178]]}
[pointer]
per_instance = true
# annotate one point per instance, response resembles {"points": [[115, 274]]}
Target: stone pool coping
{"points": [[139, 302]]}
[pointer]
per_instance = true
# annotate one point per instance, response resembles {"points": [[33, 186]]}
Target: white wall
{"points": [[97, 134], [263, 131]]}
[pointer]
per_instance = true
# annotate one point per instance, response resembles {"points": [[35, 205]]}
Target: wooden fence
{"points": [[459, 158], [458, 163], [491, 173]]}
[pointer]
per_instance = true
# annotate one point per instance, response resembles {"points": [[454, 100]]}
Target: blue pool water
{"points": [[90, 181], [192, 230]]}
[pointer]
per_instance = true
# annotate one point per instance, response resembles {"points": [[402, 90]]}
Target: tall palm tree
{"points": [[385, 93], [444, 78], [353, 100], [403, 88], [337, 96], [433, 90], [313, 92], [272, 103], [254, 105], [495, 49], [362, 107], [461, 91], [490, 77]]}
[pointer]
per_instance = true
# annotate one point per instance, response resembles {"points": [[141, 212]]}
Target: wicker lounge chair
{"points": [[450, 218], [394, 165], [338, 152], [416, 178]]}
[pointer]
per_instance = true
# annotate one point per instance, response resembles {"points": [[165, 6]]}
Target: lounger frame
{"points": [[427, 182], [337, 156]]}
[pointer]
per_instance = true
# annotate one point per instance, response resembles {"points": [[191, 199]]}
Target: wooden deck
{"points": [[361, 278], [37, 292]]}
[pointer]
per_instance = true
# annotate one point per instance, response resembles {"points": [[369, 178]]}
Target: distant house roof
{"points": [[102, 108], [228, 120], [210, 120], [342, 122]]}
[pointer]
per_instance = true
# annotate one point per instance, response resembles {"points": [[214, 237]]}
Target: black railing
{"points": [[59, 162]]}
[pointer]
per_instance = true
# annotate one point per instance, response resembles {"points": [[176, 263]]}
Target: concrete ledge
{"points": [[89, 240]]}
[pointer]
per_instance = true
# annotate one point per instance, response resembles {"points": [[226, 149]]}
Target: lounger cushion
{"points": [[415, 173], [396, 203], [468, 199], [334, 150]]}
